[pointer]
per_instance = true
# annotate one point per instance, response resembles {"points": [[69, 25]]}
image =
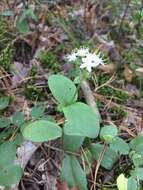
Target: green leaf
{"points": [[37, 111], [41, 130], [10, 175], [81, 120], [4, 122], [119, 145], [63, 89], [137, 159], [21, 21], [109, 157], [137, 173], [122, 182], [17, 118], [7, 154], [22, 26], [137, 144], [27, 13], [73, 174], [132, 184], [72, 143], [5, 134], [19, 139], [108, 133], [8, 13], [4, 101]]}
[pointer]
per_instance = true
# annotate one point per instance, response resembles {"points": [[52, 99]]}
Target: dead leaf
{"points": [[19, 73], [90, 16], [109, 68], [61, 185], [128, 73], [140, 70]]}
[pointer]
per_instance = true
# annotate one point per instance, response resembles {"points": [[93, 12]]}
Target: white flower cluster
{"points": [[89, 60]]}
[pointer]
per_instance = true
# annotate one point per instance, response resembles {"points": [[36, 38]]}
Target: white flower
{"points": [[91, 61], [82, 52], [72, 57], [88, 60]]}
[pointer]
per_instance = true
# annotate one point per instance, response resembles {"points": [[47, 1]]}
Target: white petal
{"points": [[72, 57], [83, 52], [83, 66], [89, 69]]}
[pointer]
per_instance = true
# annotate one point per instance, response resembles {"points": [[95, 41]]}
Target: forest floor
{"points": [[33, 49]]}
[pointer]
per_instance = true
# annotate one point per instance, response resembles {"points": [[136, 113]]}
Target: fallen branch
{"points": [[89, 97]]}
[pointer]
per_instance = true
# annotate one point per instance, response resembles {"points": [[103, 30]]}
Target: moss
{"points": [[120, 95], [33, 92], [6, 57], [33, 71], [6, 47], [49, 60], [117, 113], [3, 38]]}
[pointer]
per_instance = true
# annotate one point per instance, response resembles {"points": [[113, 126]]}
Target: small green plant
{"points": [[10, 173], [11, 138], [81, 126], [49, 60], [22, 20], [6, 57], [136, 156], [81, 123], [33, 92], [6, 46]]}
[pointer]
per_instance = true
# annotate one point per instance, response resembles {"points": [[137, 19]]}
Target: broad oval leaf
{"points": [[17, 118], [4, 122], [132, 184], [41, 130], [137, 173], [81, 120], [72, 143], [10, 175], [137, 159], [7, 154], [108, 133], [38, 111], [63, 89], [72, 173], [4, 101], [119, 145], [122, 182], [137, 144], [22, 26], [109, 157]]}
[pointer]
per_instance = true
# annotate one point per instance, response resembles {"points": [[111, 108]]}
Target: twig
{"points": [[102, 41], [112, 78], [89, 97], [98, 164], [124, 15], [61, 150]]}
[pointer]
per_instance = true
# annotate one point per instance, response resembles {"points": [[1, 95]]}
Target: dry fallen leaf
{"points": [[128, 73], [61, 185], [140, 70], [109, 68], [19, 73]]}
